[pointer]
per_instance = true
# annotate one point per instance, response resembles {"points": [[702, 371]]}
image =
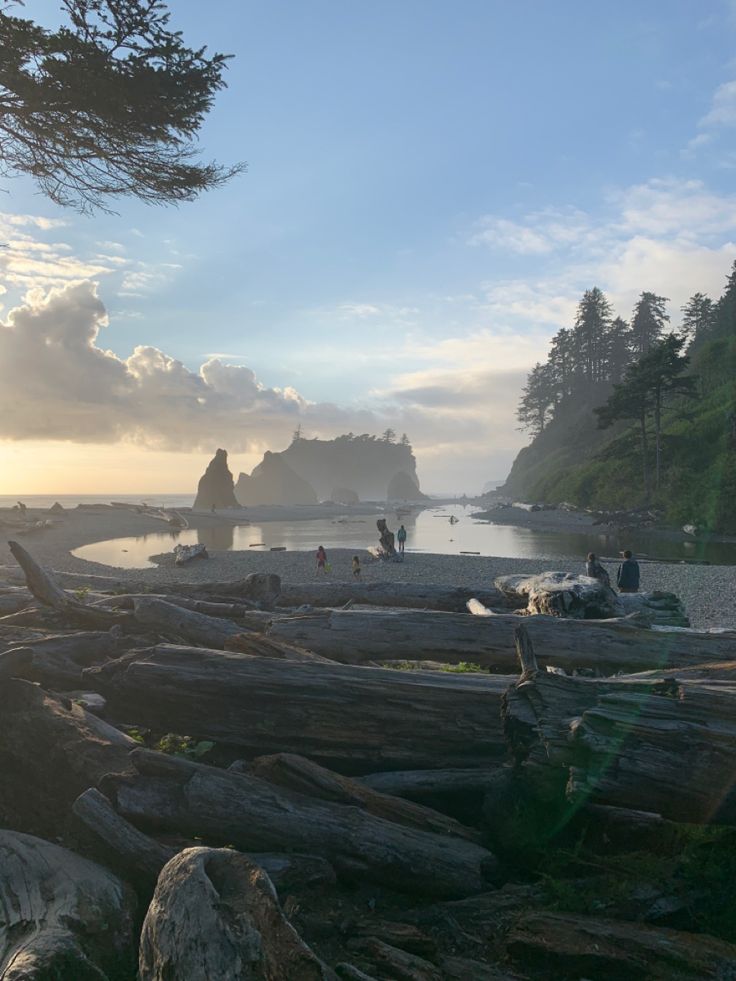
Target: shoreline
{"points": [[708, 591]]}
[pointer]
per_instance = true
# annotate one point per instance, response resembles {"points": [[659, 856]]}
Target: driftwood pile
{"points": [[222, 781]]}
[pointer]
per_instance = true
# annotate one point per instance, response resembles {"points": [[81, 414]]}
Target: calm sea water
{"points": [[428, 531], [72, 500]]}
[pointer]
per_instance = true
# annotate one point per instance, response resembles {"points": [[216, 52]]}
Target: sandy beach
{"points": [[708, 592]]}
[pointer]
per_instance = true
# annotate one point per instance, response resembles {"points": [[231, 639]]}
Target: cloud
{"points": [[538, 233], [723, 107], [57, 382]]}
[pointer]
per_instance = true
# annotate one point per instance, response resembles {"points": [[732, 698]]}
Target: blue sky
{"points": [[430, 187]]}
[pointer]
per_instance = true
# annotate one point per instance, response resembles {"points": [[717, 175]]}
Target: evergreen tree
{"points": [[404, 441], [647, 325], [108, 105], [646, 387], [618, 349], [591, 325], [536, 400], [698, 318], [725, 312], [388, 436]]}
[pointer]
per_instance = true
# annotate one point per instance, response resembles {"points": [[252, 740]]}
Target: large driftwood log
{"points": [[561, 594], [57, 661], [627, 742], [305, 777], [230, 611], [50, 752], [225, 807], [563, 945], [358, 636], [62, 916], [45, 588], [417, 596], [215, 914], [352, 719], [105, 836]]}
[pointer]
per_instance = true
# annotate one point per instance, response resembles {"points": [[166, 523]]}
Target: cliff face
{"points": [[403, 487], [216, 485], [364, 464], [273, 482]]}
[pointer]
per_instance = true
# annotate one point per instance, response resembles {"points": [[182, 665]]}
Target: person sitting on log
{"points": [[627, 578], [595, 570]]}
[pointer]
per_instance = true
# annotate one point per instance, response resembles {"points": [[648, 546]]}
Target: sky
{"points": [[430, 188]]}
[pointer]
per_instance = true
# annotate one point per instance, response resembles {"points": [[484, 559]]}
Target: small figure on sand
{"points": [[401, 539], [321, 560], [356, 567], [595, 570], [627, 578]]}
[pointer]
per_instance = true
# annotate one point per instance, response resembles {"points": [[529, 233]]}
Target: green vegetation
{"points": [[184, 746], [572, 459]]}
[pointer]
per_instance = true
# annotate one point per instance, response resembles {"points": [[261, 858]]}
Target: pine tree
{"points": [[698, 318], [648, 322], [618, 350], [591, 324], [110, 104], [537, 400]]}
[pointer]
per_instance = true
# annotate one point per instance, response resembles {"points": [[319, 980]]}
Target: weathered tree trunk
{"points": [[197, 628], [396, 963], [57, 661], [50, 752], [557, 944], [63, 916], [417, 596], [230, 611], [47, 591], [627, 742], [253, 815], [435, 788], [215, 914], [358, 636], [561, 594], [352, 719], [305, 777]]}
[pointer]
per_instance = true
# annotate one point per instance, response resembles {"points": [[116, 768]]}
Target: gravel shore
{"points": [[708, 592]]}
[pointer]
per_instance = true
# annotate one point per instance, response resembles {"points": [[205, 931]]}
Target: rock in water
{"points": [[344, 495], [274, 482], [215, 914], [403, 487], [216, 489]]}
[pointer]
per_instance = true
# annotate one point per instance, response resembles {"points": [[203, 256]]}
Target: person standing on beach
{"points": [[595, 570], [321, 560], [401, 539], [356, 567], [627, 578]]}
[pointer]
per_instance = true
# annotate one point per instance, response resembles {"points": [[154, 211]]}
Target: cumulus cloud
{"points": [[58, 382], [723, 108]]}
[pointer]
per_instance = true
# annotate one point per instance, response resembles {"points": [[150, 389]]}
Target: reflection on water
{"points": [[427, 531]]}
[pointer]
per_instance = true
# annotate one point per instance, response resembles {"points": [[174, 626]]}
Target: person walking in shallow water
{"points": [[627, 578], [321, 561], [595, 570]]}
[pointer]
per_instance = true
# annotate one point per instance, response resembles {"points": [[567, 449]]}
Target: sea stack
{"points": [[216, 488], [403, 487], [274, 482]]}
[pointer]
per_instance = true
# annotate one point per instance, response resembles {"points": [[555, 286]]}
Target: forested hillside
{"points": [[630, 413]]}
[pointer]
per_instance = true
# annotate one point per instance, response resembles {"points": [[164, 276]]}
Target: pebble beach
{"points": [[708, 591]]}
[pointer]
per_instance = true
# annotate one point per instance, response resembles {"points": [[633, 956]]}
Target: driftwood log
{"points": [[610, 646], [561, 594], [627, 742], [350, 718], [47, 591], [180, 796], [62, 916], [417, 596], [51, 750], [563, 945], [305, 777], [57, 661], [215, 914]]}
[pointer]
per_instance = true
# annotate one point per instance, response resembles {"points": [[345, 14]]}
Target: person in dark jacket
{"points": [[595, 570], [627, 578]]}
